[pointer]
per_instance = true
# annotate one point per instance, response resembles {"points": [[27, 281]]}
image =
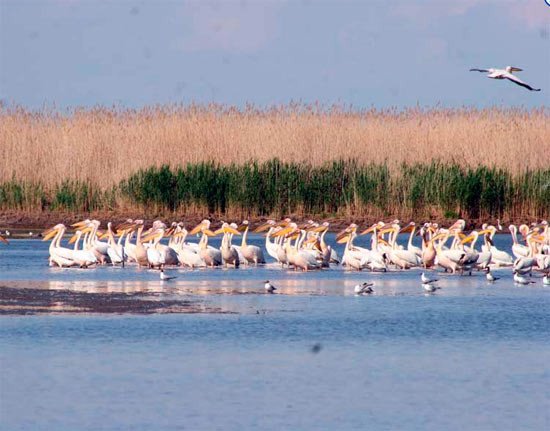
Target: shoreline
{"points": [[21, 223], [22, 301]]}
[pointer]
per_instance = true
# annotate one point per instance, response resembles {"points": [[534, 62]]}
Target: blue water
{"points": [[473, 356]]}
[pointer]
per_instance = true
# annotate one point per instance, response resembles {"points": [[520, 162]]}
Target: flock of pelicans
{"points": [[303, 247]]}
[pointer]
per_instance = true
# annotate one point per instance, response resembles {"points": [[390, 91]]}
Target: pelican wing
{"points": [[479, 70], [518, 81]]}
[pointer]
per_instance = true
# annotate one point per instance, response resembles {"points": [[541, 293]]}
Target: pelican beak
{"points": [[242, 227], [79, 224], [196, 229], [343, 239], [318, 229], [4, 240], [219, 231], [484, 231], [368, 230], [263, 227], [48, 234], [516, 69], [104, 235], [466, 239], [208, 232], [73, 238], [284, 231], [231, 230]]}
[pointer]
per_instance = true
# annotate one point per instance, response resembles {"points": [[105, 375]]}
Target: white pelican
{"points": [[546, 280], [269, 288], [498, 257], [140, 250], [490, 277], [211, 256], [251, 253], [230, 255], [506, 74], [155, 255], [164, 277], [60, 256], [86, 256], [272, 247], [518, 249], [363, 288]]}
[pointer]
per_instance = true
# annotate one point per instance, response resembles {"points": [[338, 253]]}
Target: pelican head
{"points": [[511, 69]]}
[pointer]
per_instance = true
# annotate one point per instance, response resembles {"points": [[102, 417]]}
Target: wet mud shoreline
{"points": [[28, 301]]}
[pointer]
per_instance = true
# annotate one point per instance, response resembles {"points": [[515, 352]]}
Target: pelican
{"points": [[546, 280], [518, 249], [60, 256], [229, 253], [251, 253], [272, 247], [269, 288], [363, 288], [211, 256], [155, 256], [506, 74]]}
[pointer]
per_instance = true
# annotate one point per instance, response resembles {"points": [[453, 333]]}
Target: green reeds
{"points": [[274, 188]]}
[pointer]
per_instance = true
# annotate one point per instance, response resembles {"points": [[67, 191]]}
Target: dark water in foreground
{"points": [[473, 356]]}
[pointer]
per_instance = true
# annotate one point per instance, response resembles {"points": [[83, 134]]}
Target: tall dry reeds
{"points": [[103, 146]]}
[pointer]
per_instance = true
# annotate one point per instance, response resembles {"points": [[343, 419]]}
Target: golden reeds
{"points": [[103, 146]]}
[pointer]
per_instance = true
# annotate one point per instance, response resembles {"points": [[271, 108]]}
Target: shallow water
{"points": [[473, 356]]}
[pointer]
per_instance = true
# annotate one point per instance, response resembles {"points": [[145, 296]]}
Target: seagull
{"points": [[546, 280], [520, 279], [269, 288], [490, 277], [427, 280], [430, 287], [165, 277], [506, 74], [364, 288]]}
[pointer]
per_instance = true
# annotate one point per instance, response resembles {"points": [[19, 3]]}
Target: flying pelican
{"points": [[363, 288], [269, 288], [506, 74]]}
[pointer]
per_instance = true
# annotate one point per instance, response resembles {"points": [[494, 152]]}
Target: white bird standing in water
{"points": [[364, 288], [427, 280], [506, 74], [269, 288], [164, 277], [546, 280], [520, 279], [490, 277], [430, 288]]}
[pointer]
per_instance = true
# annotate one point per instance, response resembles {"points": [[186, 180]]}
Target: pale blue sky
{"points": [[365, 53]]}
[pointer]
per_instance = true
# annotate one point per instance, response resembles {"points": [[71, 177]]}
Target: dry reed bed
{"points": [[104, 146]]}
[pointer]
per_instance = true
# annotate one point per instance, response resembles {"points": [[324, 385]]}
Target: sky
{"points": [[368, 53]]}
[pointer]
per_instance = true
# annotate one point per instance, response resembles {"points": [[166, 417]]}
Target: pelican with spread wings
{"points": [[506, 74]]}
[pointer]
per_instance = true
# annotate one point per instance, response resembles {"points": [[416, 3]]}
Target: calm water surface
{"points": [[473, 356]]}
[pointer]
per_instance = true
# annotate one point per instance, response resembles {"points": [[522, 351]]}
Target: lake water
{"points": [[315, 356]]}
